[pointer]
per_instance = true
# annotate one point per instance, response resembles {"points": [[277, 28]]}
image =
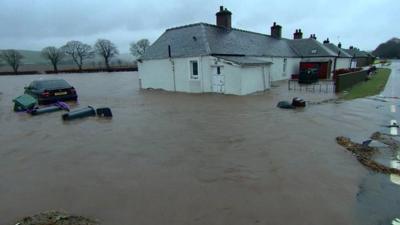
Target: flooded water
{"points": [[174, 158]]}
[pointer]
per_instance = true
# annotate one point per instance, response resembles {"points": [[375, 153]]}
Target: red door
{"points": [[321, 67]]}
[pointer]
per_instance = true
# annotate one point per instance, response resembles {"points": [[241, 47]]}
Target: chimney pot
{"points": [[224, 18], [298, 34], [313, 36], [276, 31]]}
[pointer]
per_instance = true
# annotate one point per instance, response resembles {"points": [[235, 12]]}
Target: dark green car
{"points": [[49, 91]]}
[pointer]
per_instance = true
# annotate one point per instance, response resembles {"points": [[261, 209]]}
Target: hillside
{"points": [[389, 49]]}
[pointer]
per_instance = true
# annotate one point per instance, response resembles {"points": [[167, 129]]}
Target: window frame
{"points": [[284, 69], [191, 70]]}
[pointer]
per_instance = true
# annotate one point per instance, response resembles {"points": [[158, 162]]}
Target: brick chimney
{"points": [[351, 47], [276, 31], [327, 41], [298, 34], [224, 18]]}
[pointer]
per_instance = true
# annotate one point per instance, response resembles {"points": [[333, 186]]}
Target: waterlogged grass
{"points": [[371, 87]]}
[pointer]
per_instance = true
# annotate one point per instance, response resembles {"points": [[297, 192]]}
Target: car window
{"points": [[52, 84], [33, 85]]}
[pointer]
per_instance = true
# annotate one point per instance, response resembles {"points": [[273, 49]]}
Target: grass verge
{"points": [[371, 87]]}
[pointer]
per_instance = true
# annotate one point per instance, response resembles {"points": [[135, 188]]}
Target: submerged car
{"points": [[48, 91]]}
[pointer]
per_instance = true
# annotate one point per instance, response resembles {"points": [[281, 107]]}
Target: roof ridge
{"points": [[184, 26], [343, 53], [329, 51], [212, 25]]}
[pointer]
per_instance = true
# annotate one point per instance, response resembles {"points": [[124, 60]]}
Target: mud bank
{"points": [[56, 218]]}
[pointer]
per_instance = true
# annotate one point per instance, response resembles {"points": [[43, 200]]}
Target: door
{"points": [[218, 80]]}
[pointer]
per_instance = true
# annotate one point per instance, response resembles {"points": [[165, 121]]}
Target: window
{"points": [[194, 70], [218, 70], [284, 65]]}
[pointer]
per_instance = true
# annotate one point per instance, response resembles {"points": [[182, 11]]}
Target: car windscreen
{"points": [[52, 84]]}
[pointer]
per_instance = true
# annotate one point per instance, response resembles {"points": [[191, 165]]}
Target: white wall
{"points": [[159, 74], [182, 75], [292, 67], [253, 79], [156, 74], [343, 63]]}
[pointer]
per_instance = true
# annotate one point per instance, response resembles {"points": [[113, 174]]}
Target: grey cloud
{"points": [[33, 24]]}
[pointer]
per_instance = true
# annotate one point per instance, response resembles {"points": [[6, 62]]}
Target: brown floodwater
{"points": [[174, 158]]}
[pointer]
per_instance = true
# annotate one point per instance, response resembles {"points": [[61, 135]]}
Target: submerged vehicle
{"points": [[48, 91]]}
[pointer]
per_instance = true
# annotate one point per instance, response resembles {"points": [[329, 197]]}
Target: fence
{"points": [[322, 86], [347, 80]]}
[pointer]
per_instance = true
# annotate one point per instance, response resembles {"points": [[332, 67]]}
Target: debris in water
{"points": [[298, 102], [104, 112], [386, 139], [377, 99], [364, 153], [366, 143], [56, 218], [285, 105], [79, 113]]}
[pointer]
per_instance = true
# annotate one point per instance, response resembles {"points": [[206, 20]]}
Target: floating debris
{"points": [[285, 105], [386, 139], [79, 113], [56, 218], [377, 99], [364, 153]]}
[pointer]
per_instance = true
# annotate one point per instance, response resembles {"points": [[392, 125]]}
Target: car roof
{"points": [[53, 83]]}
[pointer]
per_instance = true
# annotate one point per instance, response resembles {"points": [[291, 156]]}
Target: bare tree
{"points": [[107, 50], [79, 52], [140, 47], [13, 58], [54, 55]]}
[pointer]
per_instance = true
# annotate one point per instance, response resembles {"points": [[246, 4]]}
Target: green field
{"points": [[371, 87]]}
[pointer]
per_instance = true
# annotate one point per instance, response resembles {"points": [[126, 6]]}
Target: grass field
{"points": [[371, 87]]}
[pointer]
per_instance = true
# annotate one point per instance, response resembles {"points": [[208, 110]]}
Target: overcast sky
{"points": [[34, 24]]}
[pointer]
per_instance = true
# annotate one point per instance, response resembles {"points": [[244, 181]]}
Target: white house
{"points": [[199, 58]]}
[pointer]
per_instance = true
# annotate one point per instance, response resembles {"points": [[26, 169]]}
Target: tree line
{"points": [[79, 53], [389, 49]]}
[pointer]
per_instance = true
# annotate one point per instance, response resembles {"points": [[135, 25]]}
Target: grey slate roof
{"points": [[357, 53], [336, 49], [239, 42], [203, 39], [181, 42], [311, 48]]}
